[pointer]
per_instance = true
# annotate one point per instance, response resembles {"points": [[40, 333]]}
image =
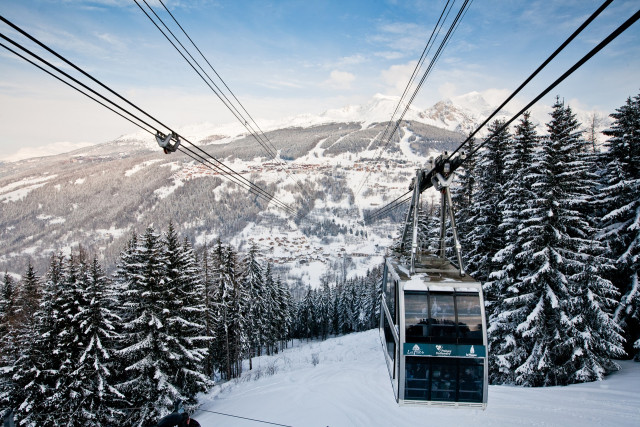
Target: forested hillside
{"points": [[550, 226]]}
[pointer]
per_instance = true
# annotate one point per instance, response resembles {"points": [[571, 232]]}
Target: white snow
{"points": [[349, 386], [141, 166], [112, 231], [163, 192], [20, 189]]}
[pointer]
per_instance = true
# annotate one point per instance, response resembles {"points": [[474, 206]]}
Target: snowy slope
{"points": [[350, 386], [461, 113]]}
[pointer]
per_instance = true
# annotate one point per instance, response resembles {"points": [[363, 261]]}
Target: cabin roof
{"points": [[432, 273]]}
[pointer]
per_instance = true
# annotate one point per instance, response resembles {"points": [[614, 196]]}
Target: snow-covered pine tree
{"points": [[620, 197], [462, 196], [236, 320], [284, 312], [36, 371], [231, 341], [210, 316], [70, 341], [253, 279], [324, 309], [504, 352], [484, 237], [8, 338], [561, 283], [145, 356], [270, 331], [93, 372], [186, 344], [305, 315], [374, 291], [346, 313]]}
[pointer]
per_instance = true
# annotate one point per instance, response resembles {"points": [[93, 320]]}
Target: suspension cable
{"points": [[536, 72], [443, 43], [244, 418], [624, 26], [223, 168], [229, 173], [421, 60], [263, 140]]}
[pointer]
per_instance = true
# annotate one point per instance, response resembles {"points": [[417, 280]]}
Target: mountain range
{"points": [[330, 167]]}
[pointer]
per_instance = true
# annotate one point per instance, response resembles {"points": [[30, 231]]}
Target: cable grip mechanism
{"points": [[164, 141]]}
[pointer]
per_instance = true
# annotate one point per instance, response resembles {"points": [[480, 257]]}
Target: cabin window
{"points": [[469, 319], [471, 380], [416, 385], [416, 305], [444, 379], [442, 318], [390, 295], [390, 341]]}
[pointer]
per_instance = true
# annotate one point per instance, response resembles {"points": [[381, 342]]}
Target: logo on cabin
{"points": [[472, 352], [441, 351], [415, 350]]}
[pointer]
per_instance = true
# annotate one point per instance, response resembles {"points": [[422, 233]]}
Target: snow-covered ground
{"points": [[349, 386]]}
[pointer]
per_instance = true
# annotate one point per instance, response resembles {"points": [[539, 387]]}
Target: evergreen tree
{"points": [[620, 198], [145, 354], [236, 321], [35, 373], [68, 395], [210, 316], [9, 350], [270, 322], [98, 397], [485, 238], [503, 347], [253, 279], [186, 344], [284, 312], [561, 281]]}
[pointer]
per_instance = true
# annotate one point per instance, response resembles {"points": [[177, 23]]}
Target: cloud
{"points": [[352, 60], [340, 79], [396, 77], [390, 54]]}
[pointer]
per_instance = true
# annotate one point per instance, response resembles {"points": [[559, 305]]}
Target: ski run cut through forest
{"points": [[344, 381]]}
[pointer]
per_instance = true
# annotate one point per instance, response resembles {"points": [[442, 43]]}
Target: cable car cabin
{"points": [[432, 328]]}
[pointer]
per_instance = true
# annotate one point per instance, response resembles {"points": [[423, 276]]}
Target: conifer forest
{"points": [[550, 224]]}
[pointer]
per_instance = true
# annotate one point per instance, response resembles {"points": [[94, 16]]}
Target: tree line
{"points": [[80, 348], [550, 224]]}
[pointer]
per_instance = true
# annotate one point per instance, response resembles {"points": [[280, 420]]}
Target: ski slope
{"points": [[349, 386]]}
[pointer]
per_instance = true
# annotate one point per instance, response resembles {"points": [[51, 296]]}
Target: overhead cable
{"points": [[624, 26], [248, 122], [423, 56], [224, 171], [135, 119], [536, 72], [434, 59]]}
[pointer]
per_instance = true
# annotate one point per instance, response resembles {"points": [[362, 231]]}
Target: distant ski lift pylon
{"points": [[164, 141]]}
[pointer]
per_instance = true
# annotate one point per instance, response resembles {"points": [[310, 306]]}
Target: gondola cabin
{"points": [[432, 327]]}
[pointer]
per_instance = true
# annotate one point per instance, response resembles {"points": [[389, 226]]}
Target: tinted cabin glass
{"points": [[469, 319], [416, 316], [444, 379], [389, 339], [443, 318], [390, 295], [417, 378], [471, 380]]}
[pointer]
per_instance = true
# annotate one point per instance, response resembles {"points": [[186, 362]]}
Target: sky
{"points": [[287, 57]]}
